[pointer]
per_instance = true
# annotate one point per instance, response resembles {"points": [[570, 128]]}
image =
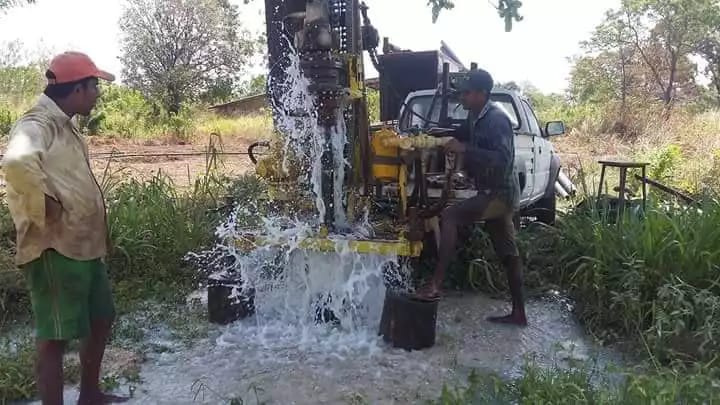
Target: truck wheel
{"points": [[545, 209]]}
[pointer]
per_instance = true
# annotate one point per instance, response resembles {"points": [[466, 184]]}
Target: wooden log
{"points": [[222, 309], [667, 189], [407, 322]]}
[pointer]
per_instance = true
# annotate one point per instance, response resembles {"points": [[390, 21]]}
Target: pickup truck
{"points": [[536, 163]]}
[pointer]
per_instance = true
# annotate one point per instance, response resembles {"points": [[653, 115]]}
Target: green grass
{"points": [[252, 127], [659, 271], [153, 226], [586, 384]]}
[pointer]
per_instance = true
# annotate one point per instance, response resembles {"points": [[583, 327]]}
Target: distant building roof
{"points": [[239, 102]]}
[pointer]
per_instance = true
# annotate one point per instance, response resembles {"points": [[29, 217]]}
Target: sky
{"points": [[536, 51]]}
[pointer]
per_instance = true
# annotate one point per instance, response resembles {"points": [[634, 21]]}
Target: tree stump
{"points": [[222, 309], [408, 322]]}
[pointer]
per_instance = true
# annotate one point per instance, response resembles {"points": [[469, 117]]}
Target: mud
{"points": [[234, 364]]}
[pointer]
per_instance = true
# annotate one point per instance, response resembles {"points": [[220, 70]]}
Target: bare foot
{"points": [[101, 399], [429, 292], [518, 319]]}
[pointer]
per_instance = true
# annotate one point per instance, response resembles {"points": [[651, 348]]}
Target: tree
{"points": [[709, 49], [175, 51], [256, 85], [611, 39], [507, 9], [6, 4], [673, 30], [11, 53]]}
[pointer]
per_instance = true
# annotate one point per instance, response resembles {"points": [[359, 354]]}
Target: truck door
{"points": [[524, 157], [541, 154]]}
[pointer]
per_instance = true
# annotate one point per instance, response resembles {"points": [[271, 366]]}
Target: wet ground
{"points": [[263, 366]]}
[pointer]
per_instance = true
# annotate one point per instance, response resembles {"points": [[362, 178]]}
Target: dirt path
{"points": [[183, 163]]}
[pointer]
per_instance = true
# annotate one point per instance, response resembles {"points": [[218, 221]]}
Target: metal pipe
{"points": [[444, 94], [566, 183], [560, 190]]}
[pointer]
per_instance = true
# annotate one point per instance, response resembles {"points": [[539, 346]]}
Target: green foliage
{"points": [[439, 5], [253, 127], [658, 269], [20, 86], [17, 369], [665, 162], [255, 85], [6, 4], [584, 384], [152, 228], [7, 119], [178, 50], [17, 379], [122, 112]]}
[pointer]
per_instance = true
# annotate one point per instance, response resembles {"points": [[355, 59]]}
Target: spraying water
{"points": [[319, 301]]}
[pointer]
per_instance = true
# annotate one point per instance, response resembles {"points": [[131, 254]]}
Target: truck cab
{"points": [[536, 162]]}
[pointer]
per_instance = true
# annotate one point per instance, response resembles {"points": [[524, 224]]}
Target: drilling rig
{"points": [[398, 181]]}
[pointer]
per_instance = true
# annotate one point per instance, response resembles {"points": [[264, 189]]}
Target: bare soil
{"points": [[182, 162]]}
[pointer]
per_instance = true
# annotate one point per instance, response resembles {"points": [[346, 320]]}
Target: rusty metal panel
{"points": [[405, 72]]}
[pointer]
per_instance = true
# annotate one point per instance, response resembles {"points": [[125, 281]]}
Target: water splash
{"points": [[326, 301]]}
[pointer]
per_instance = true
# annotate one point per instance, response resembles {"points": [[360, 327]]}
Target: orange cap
{"points": [[70, 67]]}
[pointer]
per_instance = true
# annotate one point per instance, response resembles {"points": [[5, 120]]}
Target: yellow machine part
{"points": [[386, 161], [356, 84], [400, 247], [273, 166]]}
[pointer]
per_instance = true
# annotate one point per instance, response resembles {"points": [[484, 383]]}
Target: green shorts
{"points": [[67, 294]]}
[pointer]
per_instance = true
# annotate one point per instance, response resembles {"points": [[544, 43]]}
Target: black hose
{"points": [[252, 147]]}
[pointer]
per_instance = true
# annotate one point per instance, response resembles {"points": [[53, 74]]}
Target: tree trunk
{"points": [[174, 100], [670, 88], [716, 82], [408, 323]]}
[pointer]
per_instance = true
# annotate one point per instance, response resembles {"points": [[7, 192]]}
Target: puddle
{"points": [[236, 364]]}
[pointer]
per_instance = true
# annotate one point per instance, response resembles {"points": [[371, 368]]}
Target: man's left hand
{"points": [[454, 146]]}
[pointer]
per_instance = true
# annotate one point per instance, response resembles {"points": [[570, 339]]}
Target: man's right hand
{"points": [[53, 210], [454, 146]]}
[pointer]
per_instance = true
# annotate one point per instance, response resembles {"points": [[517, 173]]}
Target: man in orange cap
{"points": [[62, 235]]}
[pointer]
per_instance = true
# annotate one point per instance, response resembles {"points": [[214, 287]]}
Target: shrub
{"points": [[651, 277], [7, 120], [121, 112], [588, 384]]}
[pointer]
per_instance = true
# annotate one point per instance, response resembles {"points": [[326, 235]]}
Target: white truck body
{"points": [[536, 162]]}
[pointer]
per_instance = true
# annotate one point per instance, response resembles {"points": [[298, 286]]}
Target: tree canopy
{"points": [[644, 49], [183, 50], [5, 4]]}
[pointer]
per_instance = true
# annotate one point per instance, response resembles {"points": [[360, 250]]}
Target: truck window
{"points": [[421, 104], [532, 119]]}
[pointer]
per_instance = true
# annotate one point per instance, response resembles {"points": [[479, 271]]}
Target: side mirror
{"points": [[554, 128]]}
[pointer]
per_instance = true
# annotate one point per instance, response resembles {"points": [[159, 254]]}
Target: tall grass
{"points": [[683, 151], [586, 384], [152, 226], [655, 276], [251, 127]]}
